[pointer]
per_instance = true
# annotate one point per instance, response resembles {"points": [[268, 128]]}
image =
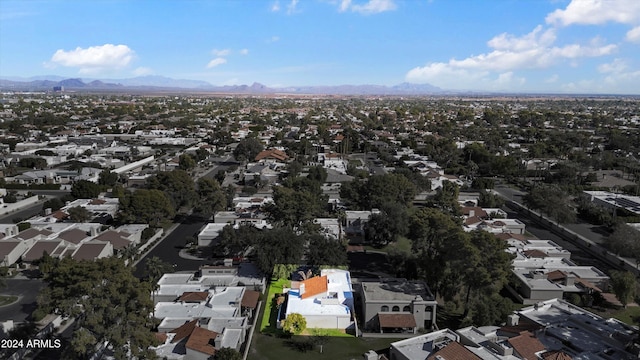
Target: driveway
{"points": [[27, 290]]}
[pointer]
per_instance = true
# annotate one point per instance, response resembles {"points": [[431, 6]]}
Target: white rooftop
{"points": [[339, 283]]}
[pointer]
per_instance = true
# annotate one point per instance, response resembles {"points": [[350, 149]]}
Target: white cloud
{"points": [[633, 35], [142, 71], [220, 53], [95, 58], [535, 38], [344, 5], [534, 50], [552, 79], [215, 62], [273, 39], [244, 51], [291, 8], [369, 7], [595, 12]]}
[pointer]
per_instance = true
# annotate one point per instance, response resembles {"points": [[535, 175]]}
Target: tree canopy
{"points": [[83, 189], [146, 206], [108, 303]]}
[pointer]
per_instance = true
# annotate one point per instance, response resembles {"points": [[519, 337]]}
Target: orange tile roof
{"points": [[454, 351], [201, 340], [272, 153], [556, 275], [396, 320], [587, 284], [526, 345], [183, 331], [466, 210], [314, 286], [194, 296]]}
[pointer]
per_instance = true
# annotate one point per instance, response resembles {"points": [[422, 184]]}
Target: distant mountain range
{"points": [[161, 83]]}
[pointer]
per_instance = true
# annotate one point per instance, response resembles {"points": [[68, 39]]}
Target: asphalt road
{"points": [[27, 290], [168, 249], [22, 214]]}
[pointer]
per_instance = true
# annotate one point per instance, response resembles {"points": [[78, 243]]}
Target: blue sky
{"points": [[590, 46]]}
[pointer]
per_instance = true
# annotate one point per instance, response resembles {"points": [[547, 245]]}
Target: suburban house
{"points": [[172, 286], [325, 301], [543, 270], [549, 330], [354, 221], [397, 305]]}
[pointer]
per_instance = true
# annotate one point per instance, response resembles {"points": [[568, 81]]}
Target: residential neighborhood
{"points": [[363, 227]]}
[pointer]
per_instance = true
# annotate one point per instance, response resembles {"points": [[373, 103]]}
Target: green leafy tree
{"points": [[108, 303], [83, 189], [438, 242], [227, 354], [235, 241], [552, 201], [293, 208], [79, 214], [294, 324], [10, 197], [277, 246], [325, 251], [177, 184], [378, 190], [211, 197], [624, 285], [186, 162], [488, 264], [388, 225], [624, 240], [146, 206], [33, 163], [53, 204], [107, 178], [446, 199], [248, 149]]}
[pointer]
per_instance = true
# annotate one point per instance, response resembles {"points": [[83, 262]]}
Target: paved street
{"points": [[168, 249], [27, 290]]}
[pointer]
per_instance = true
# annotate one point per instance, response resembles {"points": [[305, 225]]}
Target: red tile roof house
{"points": [[189, 341], [272, 156]]}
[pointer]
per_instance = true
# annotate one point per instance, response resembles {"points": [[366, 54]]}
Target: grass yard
{"points": [[630, 315], [265, 347], [7, 299], [268, 323]]}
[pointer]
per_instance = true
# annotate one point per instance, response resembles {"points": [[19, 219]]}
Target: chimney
{"points": [[569, 280], [94, 231], [218, 340], [472, 213], [513, 320], [47, 211]]}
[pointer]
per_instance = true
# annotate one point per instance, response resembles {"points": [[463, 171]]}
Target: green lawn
{"points": [[402, 245], [630, 315], [265, 347], [7, 299], [268, 323]]}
